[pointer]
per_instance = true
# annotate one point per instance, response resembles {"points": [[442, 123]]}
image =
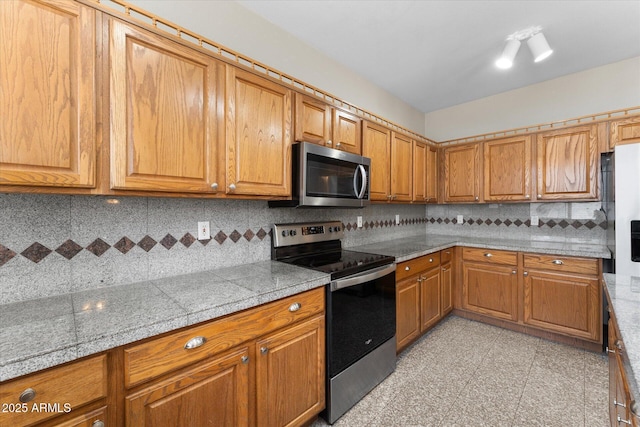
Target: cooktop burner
{"points": [[341, 263]]}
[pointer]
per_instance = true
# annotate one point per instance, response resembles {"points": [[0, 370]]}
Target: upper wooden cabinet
{"points": [[401, 168], [48, 98], [507, 169], [376, 144], [425, 172], [432, 174], [322, 124], [163, 113], [624, 131], [258, 135], [567, 164], [462, 173]]}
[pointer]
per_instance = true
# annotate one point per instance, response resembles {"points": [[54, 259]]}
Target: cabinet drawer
{"points": [[490, 256], [159, 356], [562, 264], [416, 265], [446, 255], [75, 384]]}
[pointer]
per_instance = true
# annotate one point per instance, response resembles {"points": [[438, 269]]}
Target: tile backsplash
{"points": [[56, 244]]}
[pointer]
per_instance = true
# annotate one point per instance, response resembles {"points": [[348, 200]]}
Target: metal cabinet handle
{"points": [[618, 345], [610, 351], [98, 423], [232, 187], [633, 408], [620, 420], [527, 196], [329, 142], [214, 186], [557, 262], [264, 350], [407, 268], [28, 395], [514, 271], [616, 403], [195, 342], [244, 359], [477, 198], [526, 273], [488, 255], [430, 259], [539, 196], [295, 307], [420, 279], [338, 145]]}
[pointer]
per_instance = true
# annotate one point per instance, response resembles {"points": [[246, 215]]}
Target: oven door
{"points": [[329, 177], [361, 316]]}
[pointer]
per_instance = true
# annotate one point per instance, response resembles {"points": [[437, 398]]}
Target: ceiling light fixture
{"points": [[535, 40]]}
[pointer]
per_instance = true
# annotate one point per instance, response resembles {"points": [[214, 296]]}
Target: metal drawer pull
{"points": [[633, 408], [295, 307], [245, 359], [28, 395], [526, 273], [557, 262], [610, 351], [195, 342], [430, 259], [407, 268], [98, 423], [620, 420], [616, 403], [264, 350], [513, 271], [488, 255]]}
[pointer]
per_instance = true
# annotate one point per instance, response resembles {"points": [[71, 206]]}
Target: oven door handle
{"points": [[363, 277]]}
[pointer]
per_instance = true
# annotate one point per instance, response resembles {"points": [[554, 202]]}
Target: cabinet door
{"points": [[290, 374], [215, 393], [564, 303], [461, 173], [624, 131], [432, 174], [568, 164], [313, 120], [89, 419], [376, 144], [401, 168], [347, 131], [47, 94], [420, 171], [445, 281], [407, 312], [163, 113], [490, 289], [430, 298], [507, 169], [258, 135]]}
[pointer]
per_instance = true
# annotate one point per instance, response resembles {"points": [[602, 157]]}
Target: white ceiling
{"points": [[433, 54]]}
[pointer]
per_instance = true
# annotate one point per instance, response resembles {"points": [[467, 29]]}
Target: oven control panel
{"points": [[307, 232]]}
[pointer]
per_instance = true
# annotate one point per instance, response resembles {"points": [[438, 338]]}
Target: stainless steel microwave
{"points": [[325, 177]]}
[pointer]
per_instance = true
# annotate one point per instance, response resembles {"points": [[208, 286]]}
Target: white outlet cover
{"points": [[204, 231], [534, 220], [359, 221], [460, 219], [397, 219]]}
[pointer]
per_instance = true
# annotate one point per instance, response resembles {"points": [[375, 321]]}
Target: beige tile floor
{"points": [[466, 373]]}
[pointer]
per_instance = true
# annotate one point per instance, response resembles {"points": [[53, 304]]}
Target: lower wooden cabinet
{"points": [[446, 280], [407, 312], [212, 393], [290, 372]]}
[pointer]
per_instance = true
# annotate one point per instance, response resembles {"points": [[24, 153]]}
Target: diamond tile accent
{"points": [[507, 222], [439, 220], [261, 234], [497, 221], [470, 221], [168, 241], [488, 221], [551, 223], [124, 245], [366, 225], [563, 224], [528, 223], [453, 221], [205, 242], [187, 240], [479, 221], [69, 249], [603, 225], [432, 220], [248, 235], [98, 247], [447, 220], [36, 252], [517, 222], [349, 227], [5, 255], [590, 225], [147, 243], [576, 224], [220, 237]]}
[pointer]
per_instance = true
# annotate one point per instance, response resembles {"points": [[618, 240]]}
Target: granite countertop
{"points": [[38, 334], [624, 294], [411, 247]]}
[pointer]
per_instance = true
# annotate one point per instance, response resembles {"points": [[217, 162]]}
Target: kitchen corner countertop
{"points": [[411, 247], [39, 334], [624, 294]]}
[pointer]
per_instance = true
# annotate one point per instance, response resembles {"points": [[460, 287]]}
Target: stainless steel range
{"points": [[361, 308]]}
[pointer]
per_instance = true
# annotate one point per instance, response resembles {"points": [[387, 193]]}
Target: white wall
{"points": [[239, 29], [610, 87]]}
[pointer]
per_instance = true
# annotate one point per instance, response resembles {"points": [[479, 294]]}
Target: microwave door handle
{"points": [[363, 172]]}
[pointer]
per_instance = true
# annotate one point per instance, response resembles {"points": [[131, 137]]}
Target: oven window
{"points": [[361, 318], [328, 177]]}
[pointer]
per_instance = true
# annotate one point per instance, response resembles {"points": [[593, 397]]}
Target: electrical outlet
{"points": [[359, 222], [535, 220], [204, 232], [460, 220], [397, 219]]}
